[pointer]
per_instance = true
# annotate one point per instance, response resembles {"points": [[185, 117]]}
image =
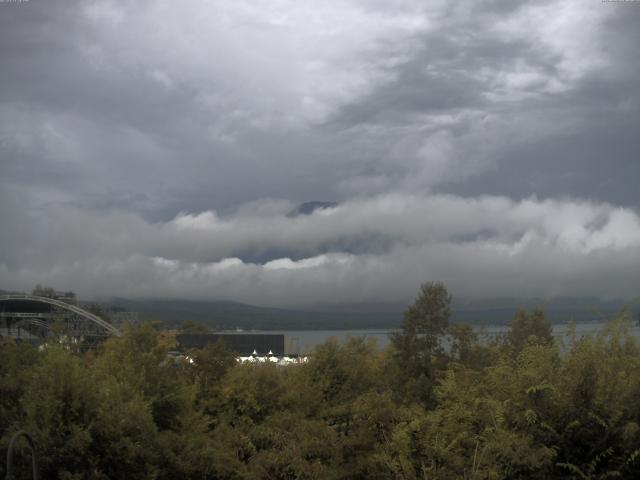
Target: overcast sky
{"points": [[156, 148]]}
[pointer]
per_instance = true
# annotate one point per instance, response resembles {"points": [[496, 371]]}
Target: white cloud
{"points": [[282, 62], [311, 262], [567, 33], [378, 248]]}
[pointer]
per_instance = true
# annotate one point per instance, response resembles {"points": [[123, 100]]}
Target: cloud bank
{"points": [[154, 148], [379, 248]]}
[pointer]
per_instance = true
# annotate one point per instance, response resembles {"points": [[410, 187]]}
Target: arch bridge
{"points": [[34, 318]]}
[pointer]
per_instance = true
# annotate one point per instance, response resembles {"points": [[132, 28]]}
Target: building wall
{"points": [[242, 343]]}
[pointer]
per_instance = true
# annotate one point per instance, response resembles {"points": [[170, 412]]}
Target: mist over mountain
{"points": [[307, 208], [232, 315], [226, 314]]}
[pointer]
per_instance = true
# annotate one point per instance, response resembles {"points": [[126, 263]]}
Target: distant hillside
{"points": [[223, 314], [231, 315], [308, 208]]}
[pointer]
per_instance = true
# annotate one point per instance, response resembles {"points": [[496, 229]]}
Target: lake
{"points": [[305, 340]]}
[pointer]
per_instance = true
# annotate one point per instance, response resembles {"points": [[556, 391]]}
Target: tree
{"points": [[210, 365], [191, 326], [418, 340], [45, 291], [529, 327], [86, 425], [17, 361], [293, 447], [140, 359]]}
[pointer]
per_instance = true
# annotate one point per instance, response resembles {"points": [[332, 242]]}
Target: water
{"points": [[306, 340]]}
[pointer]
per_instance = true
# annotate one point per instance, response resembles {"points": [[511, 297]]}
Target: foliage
{"points": [[529, 327], [191, 326], [418, 341], [44, 291], [527, 407]]}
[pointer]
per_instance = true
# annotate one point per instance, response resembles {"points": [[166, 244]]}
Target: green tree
{"points": [[529, 327], [292, 447], [140, 360], [596, 417], [17, 362], [44, 291], [419, 340], [345, 376], [86, 425], [251, 393], [191, 326], [210, 364]]}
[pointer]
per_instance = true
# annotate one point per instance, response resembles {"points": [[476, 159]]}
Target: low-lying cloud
{"points": [[371, 249]]}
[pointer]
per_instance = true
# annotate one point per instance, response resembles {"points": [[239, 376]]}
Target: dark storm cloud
{"points": [[149, 148], [532, 112]]}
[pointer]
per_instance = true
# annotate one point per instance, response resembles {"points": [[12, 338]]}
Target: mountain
{"points": [[232, 315], [308, 208]]}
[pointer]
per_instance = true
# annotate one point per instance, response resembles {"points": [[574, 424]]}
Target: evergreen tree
{"points": [[418, 340], [529, 327]]}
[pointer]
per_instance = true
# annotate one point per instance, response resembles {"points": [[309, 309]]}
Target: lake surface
{"points": [[304, 341]]}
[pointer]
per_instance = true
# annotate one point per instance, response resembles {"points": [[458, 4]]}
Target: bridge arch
{"points": [[81, 312]]}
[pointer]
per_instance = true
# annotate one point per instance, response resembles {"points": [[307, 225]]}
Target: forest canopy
{"points": [[523, 405]]}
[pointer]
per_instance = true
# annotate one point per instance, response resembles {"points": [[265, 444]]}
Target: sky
{"points": [[161, 149]]}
